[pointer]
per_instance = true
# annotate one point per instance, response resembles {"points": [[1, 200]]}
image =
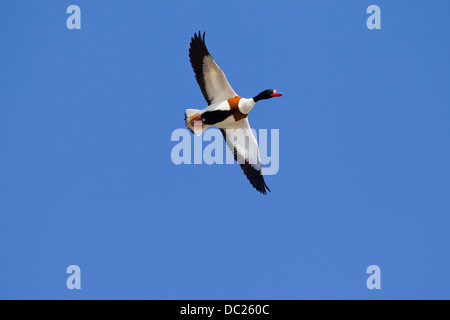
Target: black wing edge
{"points": [[197, 53], [255, 177]]}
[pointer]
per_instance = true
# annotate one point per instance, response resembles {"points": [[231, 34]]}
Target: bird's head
{"points": [[267, 94]]}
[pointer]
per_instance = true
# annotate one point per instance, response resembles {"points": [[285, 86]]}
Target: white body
{"points": [[245, 105]]}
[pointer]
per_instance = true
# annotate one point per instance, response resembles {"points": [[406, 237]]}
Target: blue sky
{"points": [[87, 179]]}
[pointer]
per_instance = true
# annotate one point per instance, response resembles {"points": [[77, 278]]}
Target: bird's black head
{"points": [[267, 94]]}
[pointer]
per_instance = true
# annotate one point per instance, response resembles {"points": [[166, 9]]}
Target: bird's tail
{"points": [[194, 121]]}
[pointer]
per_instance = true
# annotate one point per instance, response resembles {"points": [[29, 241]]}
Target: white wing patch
{"points": [[243, 145], [212, 81], [216, 83]]}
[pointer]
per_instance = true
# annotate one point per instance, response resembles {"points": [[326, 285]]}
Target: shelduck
{"points": [[227, 111]]}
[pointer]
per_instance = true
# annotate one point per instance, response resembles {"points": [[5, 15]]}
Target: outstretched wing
{"points": [[244, 147], [210, 77]]}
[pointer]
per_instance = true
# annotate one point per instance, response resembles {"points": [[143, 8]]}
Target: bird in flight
{"points": [[226, 111]]}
